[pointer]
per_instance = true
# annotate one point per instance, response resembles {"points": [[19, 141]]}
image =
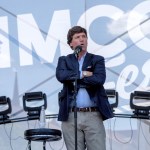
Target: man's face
{"points": [[79, 39]]}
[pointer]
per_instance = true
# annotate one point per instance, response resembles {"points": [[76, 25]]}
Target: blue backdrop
{"points": [[33, 36]]}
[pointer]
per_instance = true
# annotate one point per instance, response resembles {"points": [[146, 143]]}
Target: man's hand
{"points": [[86, 74]]}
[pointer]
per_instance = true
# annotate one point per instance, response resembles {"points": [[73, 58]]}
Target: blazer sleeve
{"points": [[63, 72], [99, 72]]}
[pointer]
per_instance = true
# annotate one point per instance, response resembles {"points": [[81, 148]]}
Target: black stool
{"points": [[42, 135]]}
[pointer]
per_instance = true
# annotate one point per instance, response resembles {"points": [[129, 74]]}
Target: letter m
{"points": [[34, 41]]}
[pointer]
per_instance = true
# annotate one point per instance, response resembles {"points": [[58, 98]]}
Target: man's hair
{"points": [[74, 30]]}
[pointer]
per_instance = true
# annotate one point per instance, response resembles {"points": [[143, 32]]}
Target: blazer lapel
{"points": [[87, 61], [73, 61]]}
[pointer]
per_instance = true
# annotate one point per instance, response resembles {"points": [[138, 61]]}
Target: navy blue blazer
{"points": [[68, 70]]}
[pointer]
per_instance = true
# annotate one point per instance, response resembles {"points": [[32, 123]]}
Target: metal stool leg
{"points": [[29, 145], [44, 145]]}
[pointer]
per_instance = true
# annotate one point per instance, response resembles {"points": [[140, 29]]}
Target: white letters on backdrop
{"points": [[32, 39]]}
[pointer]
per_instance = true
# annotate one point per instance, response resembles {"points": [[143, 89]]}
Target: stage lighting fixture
{"points": [[5, 107], [33, 101], [112, 97], [140, 103]]}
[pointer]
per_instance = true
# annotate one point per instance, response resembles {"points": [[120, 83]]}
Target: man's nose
{"points": [[81, 38]]}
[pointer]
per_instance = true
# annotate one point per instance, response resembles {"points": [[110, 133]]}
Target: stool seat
{"points": [[42, 134]]}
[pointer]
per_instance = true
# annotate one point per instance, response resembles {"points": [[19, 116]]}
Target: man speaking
{"points": [[90, 101]]}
